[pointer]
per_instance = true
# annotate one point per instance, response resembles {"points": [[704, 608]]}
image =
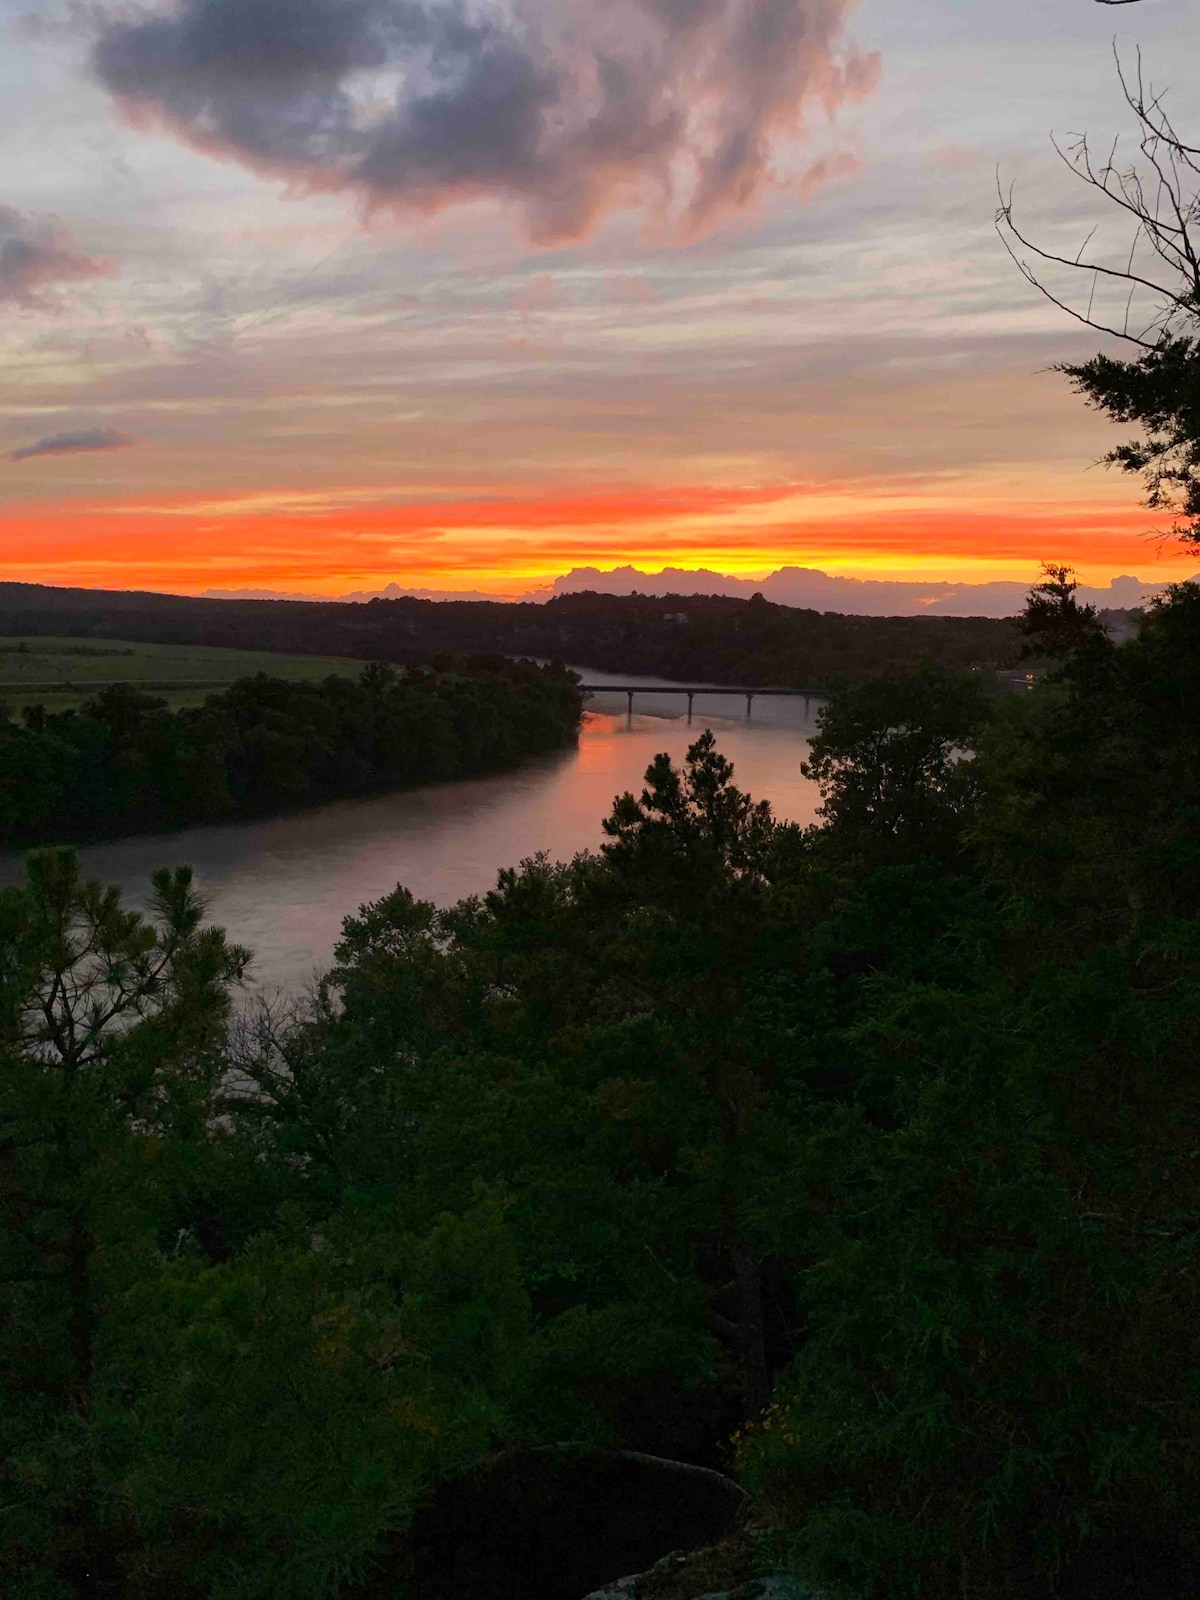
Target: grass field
{"points": [[59, 672]]}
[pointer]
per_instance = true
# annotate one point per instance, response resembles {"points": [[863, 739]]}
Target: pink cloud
{"points": [[565, 108], [36, 254]]}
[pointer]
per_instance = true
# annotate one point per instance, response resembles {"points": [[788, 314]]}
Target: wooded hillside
{"points": [[701, 637]]}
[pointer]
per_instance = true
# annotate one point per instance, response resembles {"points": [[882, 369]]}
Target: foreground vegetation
{"points": [[860, 1161], [124, 762]]}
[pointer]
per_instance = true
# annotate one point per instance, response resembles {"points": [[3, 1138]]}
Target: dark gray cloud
{"points": [[36, 254], [565, 107], [61, 444]]}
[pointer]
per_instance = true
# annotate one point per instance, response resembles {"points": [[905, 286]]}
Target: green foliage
{"points": [[994, 1381], [109, 1030], [861, 1159], [887, 759], [1160, 392], [298, 1398], [1092, 783], [124, 762]]}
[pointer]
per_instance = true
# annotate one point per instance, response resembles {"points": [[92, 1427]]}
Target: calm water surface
{"points": [[283, 886]]}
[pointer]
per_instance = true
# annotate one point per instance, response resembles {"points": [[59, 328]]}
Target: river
{"points": [[283, 885]]}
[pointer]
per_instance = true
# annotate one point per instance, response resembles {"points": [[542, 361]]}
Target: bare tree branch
{"points": [[1160, 198]]}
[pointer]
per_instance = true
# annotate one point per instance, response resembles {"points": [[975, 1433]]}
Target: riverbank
{"points": [[127, 764], [283, 885]]}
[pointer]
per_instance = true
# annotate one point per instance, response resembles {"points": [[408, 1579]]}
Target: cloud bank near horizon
{"points": [[564, 107], [806, 588], [811, 589]]}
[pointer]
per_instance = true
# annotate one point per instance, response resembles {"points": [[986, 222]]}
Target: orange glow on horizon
{"points": [[309, 541]]}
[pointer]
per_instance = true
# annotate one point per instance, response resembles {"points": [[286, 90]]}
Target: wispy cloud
{"points": [[565, 107], [62, 444], [37, 254]]}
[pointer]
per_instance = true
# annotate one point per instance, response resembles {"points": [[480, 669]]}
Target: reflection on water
{"points": [[283, 886]]}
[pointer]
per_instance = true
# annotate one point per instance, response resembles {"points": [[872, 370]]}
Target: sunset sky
{"points": [[318, 295]]}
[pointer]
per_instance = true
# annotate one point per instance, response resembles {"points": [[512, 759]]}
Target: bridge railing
{"points": [[692, 690]]}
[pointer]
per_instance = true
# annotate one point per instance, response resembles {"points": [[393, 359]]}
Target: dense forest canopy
{"points": [[694, 637], [124, 762], [858, 1160]]}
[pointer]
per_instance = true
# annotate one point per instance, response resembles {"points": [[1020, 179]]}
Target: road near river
{"points": [[283, 885]]}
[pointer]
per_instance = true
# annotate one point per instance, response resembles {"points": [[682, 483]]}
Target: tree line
{"points": [[124, 762], [697, 637]]}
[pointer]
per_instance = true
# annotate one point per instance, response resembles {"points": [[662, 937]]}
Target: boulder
{"points": [[554, 1524]]}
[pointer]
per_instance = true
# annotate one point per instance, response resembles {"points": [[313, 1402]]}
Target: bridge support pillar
{"points": [[749, 703], [691, 697], [629, 692]]}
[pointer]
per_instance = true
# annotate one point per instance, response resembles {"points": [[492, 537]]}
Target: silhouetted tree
{"points": [[1054, 623], [109, 1023], [1159, 390], [887, 759]]}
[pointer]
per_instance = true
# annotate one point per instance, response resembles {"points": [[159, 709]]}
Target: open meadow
{"points": [[63, 672]]}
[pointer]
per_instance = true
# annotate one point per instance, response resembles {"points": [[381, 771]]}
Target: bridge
{"points": [[692, 690]]}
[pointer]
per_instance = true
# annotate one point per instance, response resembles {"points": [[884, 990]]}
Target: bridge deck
{"points": [[690, 691], [704, 688]]}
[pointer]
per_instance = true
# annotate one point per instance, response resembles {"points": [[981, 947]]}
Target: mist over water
{"points": [[284, 885]]}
